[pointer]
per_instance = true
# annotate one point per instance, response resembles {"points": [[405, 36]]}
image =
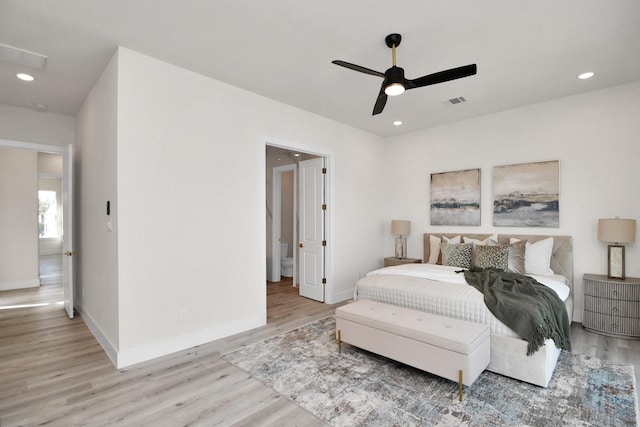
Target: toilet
{"points": [[286, 263]]}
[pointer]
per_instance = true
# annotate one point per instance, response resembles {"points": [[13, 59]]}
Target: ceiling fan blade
{"points": [[358, 68], [443, 76], [380, 102]]}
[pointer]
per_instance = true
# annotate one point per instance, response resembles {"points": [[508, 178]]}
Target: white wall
{"points": [[190, 219], [96, 266], [23, 124], [595, 137], [287, 209], [18, 219]]}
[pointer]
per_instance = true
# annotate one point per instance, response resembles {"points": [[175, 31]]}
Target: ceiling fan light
{"points": [[394, 89]]}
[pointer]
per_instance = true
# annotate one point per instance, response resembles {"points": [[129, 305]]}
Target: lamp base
{"points": [[615, 262], [401, 247]]}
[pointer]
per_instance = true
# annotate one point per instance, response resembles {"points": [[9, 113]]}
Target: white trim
{"points": [[143, 353], [153, 350], [104, 342], [31, 146], [20, 284]]}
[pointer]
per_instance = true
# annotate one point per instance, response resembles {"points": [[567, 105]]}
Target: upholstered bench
{"points": [[450, 348]]}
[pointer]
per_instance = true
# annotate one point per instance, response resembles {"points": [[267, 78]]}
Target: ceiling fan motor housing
{"points": [[393, 39], [394, 76]]}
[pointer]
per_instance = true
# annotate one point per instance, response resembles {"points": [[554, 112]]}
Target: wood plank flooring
{"points": [[53, 371]]}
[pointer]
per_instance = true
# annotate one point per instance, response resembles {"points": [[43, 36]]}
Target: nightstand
{"points": [[612, 306], [389, 261]]}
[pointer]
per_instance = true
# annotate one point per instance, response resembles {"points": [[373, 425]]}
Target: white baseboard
{"points": [[20, 284], [150, 351], [132, 356], [106, 345], [341, 296]]}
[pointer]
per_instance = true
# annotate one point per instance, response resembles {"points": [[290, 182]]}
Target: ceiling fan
{"points": [[395, 82]]}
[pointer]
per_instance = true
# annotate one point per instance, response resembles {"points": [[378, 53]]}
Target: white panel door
{"points": [[67, 231], [312, 217]]}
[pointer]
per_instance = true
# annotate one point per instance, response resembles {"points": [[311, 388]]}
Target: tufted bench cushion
{"points": [[433, 343]]}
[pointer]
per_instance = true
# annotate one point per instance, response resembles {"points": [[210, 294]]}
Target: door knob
{"points": [[68, 253], [301, 245]]}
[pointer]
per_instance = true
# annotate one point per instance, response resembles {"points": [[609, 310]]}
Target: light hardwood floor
{"points": [[53, 371]]}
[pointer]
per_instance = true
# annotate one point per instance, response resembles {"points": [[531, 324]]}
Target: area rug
{"points": [[356, 387]]}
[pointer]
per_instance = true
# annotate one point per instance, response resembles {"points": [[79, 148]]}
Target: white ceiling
{"points": [[526, 52]]}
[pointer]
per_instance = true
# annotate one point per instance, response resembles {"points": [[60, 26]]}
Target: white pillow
{"points": [[434, 247], [537, 257], [491, 239]]}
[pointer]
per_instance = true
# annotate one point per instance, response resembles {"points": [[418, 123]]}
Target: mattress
{"points": [[440, 290]]}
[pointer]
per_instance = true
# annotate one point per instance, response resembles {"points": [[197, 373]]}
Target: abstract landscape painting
{"points": [[455, 198], [527, 195]]}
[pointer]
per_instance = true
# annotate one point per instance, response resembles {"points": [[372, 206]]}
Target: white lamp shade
{"points": [[400, 227], [617, 230]]}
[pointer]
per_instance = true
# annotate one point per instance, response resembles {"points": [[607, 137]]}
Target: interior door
{"points": [[67, 230], [312, 225]]}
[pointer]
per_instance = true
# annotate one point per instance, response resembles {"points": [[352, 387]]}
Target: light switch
{"points": [[109, 225]]}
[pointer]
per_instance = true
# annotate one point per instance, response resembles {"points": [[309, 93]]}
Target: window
{"points": [[47, 214]]}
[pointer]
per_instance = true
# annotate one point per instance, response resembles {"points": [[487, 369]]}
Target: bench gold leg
{"points": [[460, 382], [339, 342]]}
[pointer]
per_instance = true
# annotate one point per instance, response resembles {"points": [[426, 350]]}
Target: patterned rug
{"points": [[356, 387]]}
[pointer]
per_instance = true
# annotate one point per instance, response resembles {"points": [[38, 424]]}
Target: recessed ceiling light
{"points": [[397, 123], [586, 75], [26, 77], [296, 154]]}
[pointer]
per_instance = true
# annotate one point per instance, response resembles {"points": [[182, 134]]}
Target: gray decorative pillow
{"points": [[492, 257], [456, 255], [516, 256]]}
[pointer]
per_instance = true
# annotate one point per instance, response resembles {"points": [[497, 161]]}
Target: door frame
{"points": [[57, 149], [276, 229], [329, 156]]}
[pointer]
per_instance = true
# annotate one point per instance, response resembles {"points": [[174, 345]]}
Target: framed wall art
{"points": [[455, 198], [527, 195]]}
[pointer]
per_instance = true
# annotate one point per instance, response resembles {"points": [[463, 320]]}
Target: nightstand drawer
{"points": [[611, 324], [612, 290], [612, 306]]}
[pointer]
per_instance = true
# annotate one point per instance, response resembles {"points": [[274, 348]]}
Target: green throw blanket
{"points": [[531, 309]]}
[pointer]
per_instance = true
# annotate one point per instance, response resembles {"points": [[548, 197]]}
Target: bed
{"points": [[428, 288]]}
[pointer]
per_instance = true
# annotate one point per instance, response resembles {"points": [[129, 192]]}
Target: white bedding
{"points": [[440, 290]]}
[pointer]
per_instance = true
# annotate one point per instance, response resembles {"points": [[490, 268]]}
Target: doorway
{"points": [[281, 158], [63, 155]]}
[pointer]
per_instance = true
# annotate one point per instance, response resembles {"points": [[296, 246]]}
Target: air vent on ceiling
{"points": [[457, 100], [23, 57]]}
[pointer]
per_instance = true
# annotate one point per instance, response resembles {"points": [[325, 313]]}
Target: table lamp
{"points": [[616, 231], [401, 229]]}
